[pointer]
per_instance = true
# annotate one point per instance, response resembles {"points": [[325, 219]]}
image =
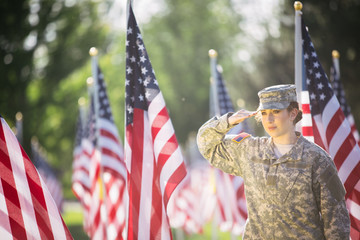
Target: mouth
{"points": [[272, 128]]}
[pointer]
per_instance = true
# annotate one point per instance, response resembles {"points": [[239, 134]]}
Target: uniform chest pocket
{"points": [[293, 182]]}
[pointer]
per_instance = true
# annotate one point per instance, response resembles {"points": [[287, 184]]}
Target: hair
{"points": [[295, 105], [292, 105]]}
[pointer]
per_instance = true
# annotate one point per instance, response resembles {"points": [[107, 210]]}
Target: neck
{"points": [[288, 138]]}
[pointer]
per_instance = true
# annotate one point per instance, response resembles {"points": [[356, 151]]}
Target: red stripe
{"points": [[306, 108], [136, 144], [317, 137], [307, 131], [156, 204], [343, 152], [38, 198], [334, 124], [107, 134], [355, 196], [159, 121], [110, 153], [352, 179], [10, 192], [354, 233], [178, 175], [169, 148]]}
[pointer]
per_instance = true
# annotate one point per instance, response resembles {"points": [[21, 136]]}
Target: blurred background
{"points": [[44, 60]]}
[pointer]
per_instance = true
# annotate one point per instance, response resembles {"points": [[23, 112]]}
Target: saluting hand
{"points": [[240, 116]]}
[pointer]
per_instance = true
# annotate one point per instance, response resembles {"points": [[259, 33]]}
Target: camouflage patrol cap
{"points": [[277, 97]]}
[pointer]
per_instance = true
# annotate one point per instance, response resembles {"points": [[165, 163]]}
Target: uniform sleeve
{"points": [[330, 197], [215, 148]]}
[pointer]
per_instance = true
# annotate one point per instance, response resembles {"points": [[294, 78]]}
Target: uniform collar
{"points": [[294, 154]]}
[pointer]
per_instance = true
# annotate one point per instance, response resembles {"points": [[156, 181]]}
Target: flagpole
{"points": [[336, 57], [19, 126], [213, 81], [93, 53], [298, 57], [82, 114]]}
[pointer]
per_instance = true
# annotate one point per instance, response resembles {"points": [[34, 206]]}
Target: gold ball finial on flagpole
{"points": [[90, 81], [212, 53], [335, 54], [18, 116], [298, 6], [81, 101], [93, 51]]}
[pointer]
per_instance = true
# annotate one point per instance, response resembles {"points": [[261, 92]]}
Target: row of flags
{"points": [[326, 124], [138, 191]]}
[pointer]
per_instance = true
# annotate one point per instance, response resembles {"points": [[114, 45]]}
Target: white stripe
{"points": [[165, 133], [108, 143], [23, 190], [114, 164], [321, 130], [309, 138], [156, 105], [349, 164], [170, 166], [146, 182], [54, 215], [110, 127], [5, 230], [305, 97], [165, 228], [353, 208], [329, 111], [306, 121], [339, 137], [127, 155]]}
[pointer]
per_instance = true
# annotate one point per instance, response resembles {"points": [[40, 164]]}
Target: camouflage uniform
{"points": [[296, 196]]}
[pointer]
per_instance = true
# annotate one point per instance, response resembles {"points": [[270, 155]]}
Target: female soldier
{"points": [[291, 185]]}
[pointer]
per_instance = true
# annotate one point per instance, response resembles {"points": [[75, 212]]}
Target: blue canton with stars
{"points": [[339, 91], [225, 103], [140, 83], [104, 105], [320, 91]]}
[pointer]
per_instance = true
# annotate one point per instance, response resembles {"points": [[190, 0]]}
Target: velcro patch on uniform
{"points": [[241, 137]]}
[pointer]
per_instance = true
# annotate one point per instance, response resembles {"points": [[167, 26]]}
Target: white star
{"points": [[101, 93], [129, 70], [140, 80], [313, 54], [310, 71], [306, 56], [132, 59], [127, 43], [146, 82], [156, 82], [322, 96], [316, 64], [308, 81], [142, 59], [313, 96], [127, 82], [132, 98], [144, 70], [141, 97], [130, 109], [318, 75], [129, 31], [141, 47], [311, 44], [139, 36], [147, 94], [320, 86]]}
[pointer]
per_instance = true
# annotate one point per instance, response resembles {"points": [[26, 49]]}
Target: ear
{"points": [[294, 112]]}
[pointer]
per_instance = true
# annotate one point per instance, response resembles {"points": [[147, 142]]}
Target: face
{"points": [[278, 123]]}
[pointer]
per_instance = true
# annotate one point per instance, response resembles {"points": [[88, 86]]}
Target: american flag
{"points": [[229, 189], [112, 162], [27, 209], [340, 94], [46, 172], [153, 158], [80, 175], [332, 131]]}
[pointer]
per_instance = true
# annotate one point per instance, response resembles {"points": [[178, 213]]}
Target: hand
{"points": [[240, 116]]}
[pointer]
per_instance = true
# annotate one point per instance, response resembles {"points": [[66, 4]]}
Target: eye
{"points": [[276, 111], [263, 113]]}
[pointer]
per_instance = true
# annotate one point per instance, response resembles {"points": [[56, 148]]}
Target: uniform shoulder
{"points": [[244, 137], [317, 153]]}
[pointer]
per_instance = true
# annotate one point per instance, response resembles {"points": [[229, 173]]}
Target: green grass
{"points": [[74, 221]]}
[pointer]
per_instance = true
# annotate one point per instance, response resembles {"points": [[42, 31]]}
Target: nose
{"points": [[270, 118]]}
